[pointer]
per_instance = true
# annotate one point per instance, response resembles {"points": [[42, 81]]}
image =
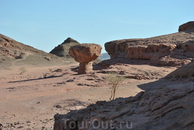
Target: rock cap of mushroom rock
{"points": [[85, 52]]}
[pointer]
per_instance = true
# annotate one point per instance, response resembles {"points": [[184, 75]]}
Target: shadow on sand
{"points": [[52, 76]]}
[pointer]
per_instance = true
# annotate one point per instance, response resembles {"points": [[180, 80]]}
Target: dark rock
{"points": [[70, 80], [62, 50], [186, 26], [57, 106], [20, 127], [1, 126], [38, 103], [58, 70]]}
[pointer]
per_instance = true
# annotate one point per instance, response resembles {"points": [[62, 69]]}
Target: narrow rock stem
{"points": [[85, 67]]}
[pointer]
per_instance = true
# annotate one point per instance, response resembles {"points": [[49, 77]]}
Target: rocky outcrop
{"points": [[172, 50], [85, 54], [185, 72], [157, 109], [62, 50], [189, 26], [10, 50]]}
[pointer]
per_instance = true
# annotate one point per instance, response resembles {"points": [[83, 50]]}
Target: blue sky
{"points": [[44, 24]]}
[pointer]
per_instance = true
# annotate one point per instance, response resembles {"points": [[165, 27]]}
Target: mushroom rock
{"points": [[85, 54]]}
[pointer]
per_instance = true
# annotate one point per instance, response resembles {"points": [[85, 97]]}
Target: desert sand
{"points": [[31, 96]]}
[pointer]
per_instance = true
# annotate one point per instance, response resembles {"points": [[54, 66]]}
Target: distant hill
{"points": [[104, 56], [62, 50], [17, 53]]}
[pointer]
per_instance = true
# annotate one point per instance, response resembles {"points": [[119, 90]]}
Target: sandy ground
{"points": [[31, 96]]}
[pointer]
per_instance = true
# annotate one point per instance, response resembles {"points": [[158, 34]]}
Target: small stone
{"points": [[20, 127], [1, 126], [57, 106], [28, 121]]}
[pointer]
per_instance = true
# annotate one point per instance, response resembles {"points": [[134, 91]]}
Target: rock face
{"points": [[85, 54], [189, 26], [157, 109], [62, 50], [171, 50]]}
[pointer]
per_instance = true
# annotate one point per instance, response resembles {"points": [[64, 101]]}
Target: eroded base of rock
{"points": [[85, 67]]}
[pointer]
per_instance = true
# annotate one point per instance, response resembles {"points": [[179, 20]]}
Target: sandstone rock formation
{"points": [[185, 72], [11, 50], [85, 54], [172, 50], [62, 50], [162, 107], [189, 26], [158, 109]]}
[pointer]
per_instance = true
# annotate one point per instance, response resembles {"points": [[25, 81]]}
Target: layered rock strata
{"points": [[172, 50]]}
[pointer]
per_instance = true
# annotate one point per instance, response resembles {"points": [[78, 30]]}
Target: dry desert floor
{"points": [[31, 96]]}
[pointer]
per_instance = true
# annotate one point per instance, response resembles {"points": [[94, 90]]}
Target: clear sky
{"points": [[44, 24]]}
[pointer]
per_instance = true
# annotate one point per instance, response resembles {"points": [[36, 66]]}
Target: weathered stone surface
{"points": [[85, 54], [163, 108], [172, 50], [186, 26], [185, 72], [85, 67], [149, 51], [62, 50]]}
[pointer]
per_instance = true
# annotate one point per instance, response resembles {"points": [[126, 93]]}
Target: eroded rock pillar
{"points": [[85, 67]]}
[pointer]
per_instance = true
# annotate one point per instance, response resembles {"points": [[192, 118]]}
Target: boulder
{"points": [[62, 50], [85, 54], [187, 26]]}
